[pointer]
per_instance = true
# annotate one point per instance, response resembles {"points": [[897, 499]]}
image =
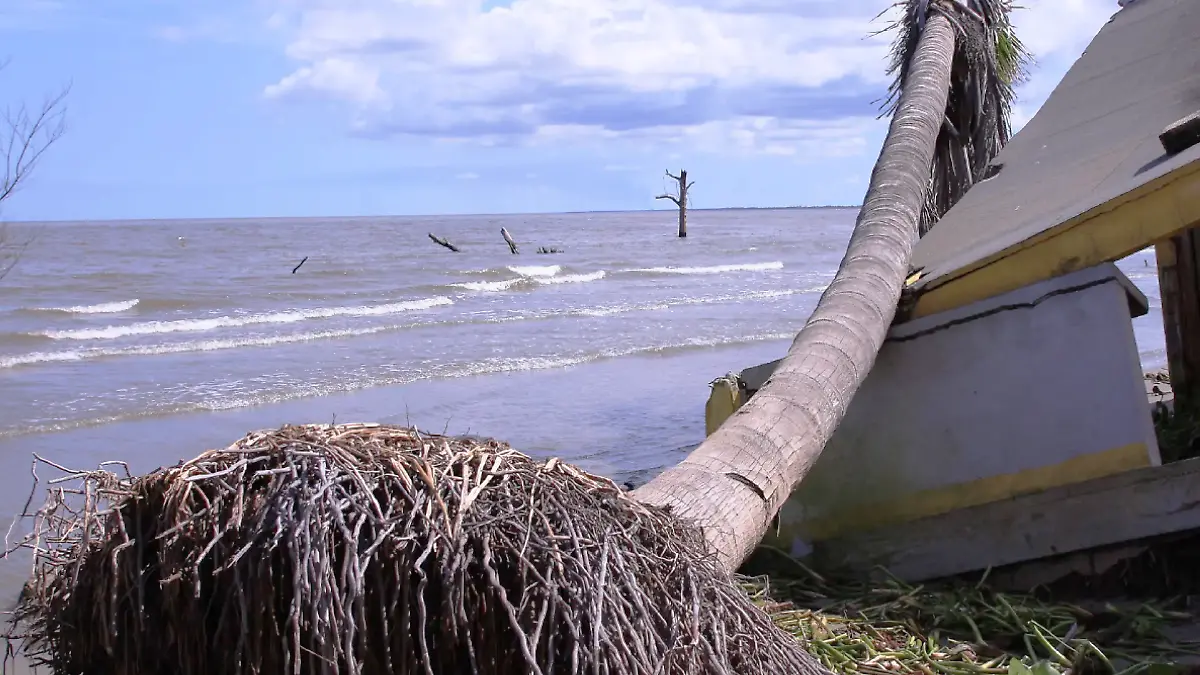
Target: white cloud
{"points": [[746, 76], [349, 79], [1056, 32]]}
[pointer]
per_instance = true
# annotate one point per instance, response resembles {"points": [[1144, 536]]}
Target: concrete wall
{"points": [[1031, 389]]}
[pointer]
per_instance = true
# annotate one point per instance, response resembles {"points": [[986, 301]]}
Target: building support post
{"points": [[1179, 287]]}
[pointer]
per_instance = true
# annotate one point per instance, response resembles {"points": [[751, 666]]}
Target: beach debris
{"points": [[512, 245], [442, 242], [550, 249], [300, 264], [680, 198], [962, 627], [363, 548]]}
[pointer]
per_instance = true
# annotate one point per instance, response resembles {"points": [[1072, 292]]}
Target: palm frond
{"points": [[989, 63]]}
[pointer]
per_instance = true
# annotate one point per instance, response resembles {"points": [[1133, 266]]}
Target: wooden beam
{"points": [[1181, 135], [1117, 228], [1179, 287], [1126, 507]]}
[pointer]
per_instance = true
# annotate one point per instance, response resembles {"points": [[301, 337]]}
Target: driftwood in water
{"points": [[681, 199], [367, 549], [512, 245], [301, 263], [552, 249], [443, 242]]}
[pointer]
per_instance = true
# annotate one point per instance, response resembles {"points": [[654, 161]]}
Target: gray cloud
{"points": [[521, 110]]}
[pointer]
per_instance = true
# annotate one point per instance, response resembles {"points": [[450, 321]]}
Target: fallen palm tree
{"points": [[373, 549], [955, 63]]}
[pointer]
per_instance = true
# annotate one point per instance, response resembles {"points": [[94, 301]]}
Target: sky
{"points": [[259, 108]]}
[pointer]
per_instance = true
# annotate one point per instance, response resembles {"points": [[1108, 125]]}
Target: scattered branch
{"points": [[298, 266], [442, 242]]}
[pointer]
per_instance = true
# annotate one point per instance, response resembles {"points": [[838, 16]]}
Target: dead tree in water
{"points": [[680, 200], [512, 245], [443, 242]]}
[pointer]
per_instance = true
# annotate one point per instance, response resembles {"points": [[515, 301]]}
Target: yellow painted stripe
{"points": [[972, 493], [723, 401], [1122, 226]]}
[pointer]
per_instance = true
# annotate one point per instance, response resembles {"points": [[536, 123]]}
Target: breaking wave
{"points": [[102, 308], [714, 269], [195, 325]]}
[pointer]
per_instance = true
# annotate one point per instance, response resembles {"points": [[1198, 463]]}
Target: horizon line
{"points": [[830, 207]]}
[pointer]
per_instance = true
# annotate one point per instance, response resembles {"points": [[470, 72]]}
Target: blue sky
{"points": [[229, 108]]}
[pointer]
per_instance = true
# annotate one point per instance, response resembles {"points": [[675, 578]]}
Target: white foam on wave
{"points": [[703, 300], [102, 308], [488, 286], [70, 355], [535, 270], [543, 277], [489, 366], [355, 382], [715, 269], [574, 278], [184, 347], [197, 325]]}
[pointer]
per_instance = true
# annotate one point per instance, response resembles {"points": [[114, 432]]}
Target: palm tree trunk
{"points": [[734, 484]]}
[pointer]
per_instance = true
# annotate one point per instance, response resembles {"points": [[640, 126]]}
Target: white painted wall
{"points": [[1025, 380]]}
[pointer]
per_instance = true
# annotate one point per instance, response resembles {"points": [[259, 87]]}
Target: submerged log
{"points": [[443, 242], [512, 245], [373, 549]]}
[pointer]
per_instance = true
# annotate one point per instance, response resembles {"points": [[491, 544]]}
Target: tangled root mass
{"points": [[374, 549]]}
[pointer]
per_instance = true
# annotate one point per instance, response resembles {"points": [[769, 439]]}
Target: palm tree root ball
{"points": [[375, 549]]}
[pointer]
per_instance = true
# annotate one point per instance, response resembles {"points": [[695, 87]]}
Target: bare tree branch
{"points": [[671, 175], [25, 135], [671, 197], [443, 242], [689, 185]]}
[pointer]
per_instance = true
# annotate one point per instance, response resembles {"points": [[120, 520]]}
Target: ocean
{"points": [[152, 341]]}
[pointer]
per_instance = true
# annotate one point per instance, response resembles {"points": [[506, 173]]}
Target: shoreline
{"points": [[623, 433]]}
